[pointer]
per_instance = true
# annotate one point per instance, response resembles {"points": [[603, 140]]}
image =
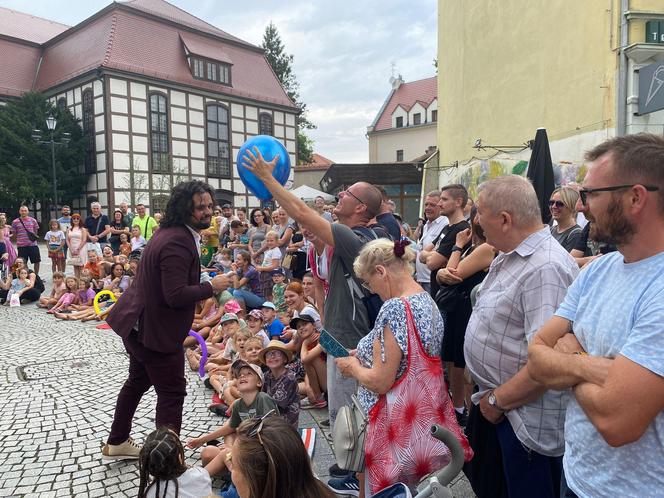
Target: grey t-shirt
{"points": [[569, 238], [261, 405], [345, 314]]}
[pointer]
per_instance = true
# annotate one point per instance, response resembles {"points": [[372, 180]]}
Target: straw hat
{"points": [[278, 346]]}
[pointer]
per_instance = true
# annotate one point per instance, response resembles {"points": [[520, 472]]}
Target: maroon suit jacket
{"points": [[163, 296]]}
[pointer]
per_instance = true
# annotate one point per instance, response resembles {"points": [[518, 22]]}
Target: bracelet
{"points": [[581, 353], [456, 248]]}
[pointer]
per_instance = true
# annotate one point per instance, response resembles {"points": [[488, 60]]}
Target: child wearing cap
{"points": [[252, 404], [314, 360], [273, 326], [280, 383], [255, 321], [278, 289]]}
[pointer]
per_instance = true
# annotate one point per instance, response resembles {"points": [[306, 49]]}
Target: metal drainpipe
{"points": [[621, 128]]}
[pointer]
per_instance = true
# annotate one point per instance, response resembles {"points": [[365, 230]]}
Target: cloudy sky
{"points": [[343, 50]]}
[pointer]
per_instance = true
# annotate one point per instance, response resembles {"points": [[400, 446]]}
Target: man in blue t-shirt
{"points": [[605, 341]]}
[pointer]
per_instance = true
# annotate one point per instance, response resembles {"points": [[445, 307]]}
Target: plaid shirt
{"points": [[520, 293]]}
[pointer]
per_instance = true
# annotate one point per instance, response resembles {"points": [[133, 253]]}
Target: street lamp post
{"points": [[51, 123]]}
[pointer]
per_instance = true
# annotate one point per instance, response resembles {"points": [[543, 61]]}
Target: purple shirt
{"points": [[22, 239]]}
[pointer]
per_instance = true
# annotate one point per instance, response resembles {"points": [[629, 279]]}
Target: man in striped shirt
{"points": [[27, 248]]}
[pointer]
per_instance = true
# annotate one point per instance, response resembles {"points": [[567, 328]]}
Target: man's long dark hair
{"points": [[181, 204]]}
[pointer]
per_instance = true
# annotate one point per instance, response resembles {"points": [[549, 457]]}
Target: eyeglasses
{"points": [[353, 196], [583, 193], [558, 204], [273, 354], [367, 286]]}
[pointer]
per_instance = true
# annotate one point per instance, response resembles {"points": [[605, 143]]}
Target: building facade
{"points": [[405, 126], [512, 66], [312, 173], [162, 96]]}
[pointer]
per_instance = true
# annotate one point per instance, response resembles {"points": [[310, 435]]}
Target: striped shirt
{"points": [[522, 290], [22, 239]]}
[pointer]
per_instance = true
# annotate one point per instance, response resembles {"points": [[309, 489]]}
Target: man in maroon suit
{"points": [[155, 314]]}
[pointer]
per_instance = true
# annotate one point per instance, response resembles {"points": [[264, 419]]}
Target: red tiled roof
{"points": [[205, 47], [19, 63], [318, 162], [424, 91], [27, 27], [165, 10], [127, 41]]}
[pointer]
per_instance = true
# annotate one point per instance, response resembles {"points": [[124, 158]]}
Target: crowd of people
{"points": [[548, 335]]}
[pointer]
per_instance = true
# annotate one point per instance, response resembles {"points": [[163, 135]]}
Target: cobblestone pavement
{"points": [[58, 386]]}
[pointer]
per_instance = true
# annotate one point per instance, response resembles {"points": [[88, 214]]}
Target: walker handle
{"points": [[452, 469]]}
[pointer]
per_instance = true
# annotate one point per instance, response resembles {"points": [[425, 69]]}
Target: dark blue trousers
{"points": [[527, 473]]}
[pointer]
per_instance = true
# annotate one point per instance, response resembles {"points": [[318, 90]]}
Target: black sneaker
{"points": [[336, 471], [462, 418], [325, 423]]}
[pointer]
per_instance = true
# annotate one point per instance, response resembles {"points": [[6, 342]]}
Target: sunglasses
{"points": [[558, 204], [583, 193], [353, 196]]}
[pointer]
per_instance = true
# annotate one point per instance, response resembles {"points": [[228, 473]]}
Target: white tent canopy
{"points": [[307, 193]]}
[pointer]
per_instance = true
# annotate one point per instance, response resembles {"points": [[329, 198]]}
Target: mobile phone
{"points": [[331, 345]]}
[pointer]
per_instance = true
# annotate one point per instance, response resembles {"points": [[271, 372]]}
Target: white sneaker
{"points": [[129, 450]]}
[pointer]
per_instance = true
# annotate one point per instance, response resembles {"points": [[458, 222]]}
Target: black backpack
{"points": [[372, 302]]}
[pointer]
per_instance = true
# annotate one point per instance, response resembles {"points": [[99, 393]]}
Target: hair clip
{"points": [[400, 247]]}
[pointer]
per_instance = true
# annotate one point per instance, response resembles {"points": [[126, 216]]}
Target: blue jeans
{"points": [[527, 473], [250, 299]]}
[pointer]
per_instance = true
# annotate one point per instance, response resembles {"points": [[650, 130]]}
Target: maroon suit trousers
{"points": [[164, 371]]}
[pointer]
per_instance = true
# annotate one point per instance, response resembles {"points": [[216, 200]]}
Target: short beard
{"points": [[616, 229], [200, 225]]}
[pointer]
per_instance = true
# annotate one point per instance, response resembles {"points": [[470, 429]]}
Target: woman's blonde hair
{"points": [[381, 252], [569, 196]]}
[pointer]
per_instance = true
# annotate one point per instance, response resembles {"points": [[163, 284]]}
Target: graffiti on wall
{"points": [[482, 170]]}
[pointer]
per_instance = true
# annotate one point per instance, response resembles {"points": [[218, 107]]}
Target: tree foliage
{"points": [[282, 65], [25, 165]]}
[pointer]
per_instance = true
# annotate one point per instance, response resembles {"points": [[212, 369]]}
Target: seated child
{"points": [[252, 403], [228, 392], [278, 289], [17, 286], [229, 325], [314, 360], [239, 240], [280, 383], [162, 458], [85, 295], [96, 270], [56, 293], [233, 351], [137, 241], [255, 320], [68, 298], [273, 326], [206, 250], [125, 245]]}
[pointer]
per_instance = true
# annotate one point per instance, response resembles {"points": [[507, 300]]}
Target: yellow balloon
{"points": [[95, 302]]}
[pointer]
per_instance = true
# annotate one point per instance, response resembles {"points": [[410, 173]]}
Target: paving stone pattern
{"points": [[58, 386]]}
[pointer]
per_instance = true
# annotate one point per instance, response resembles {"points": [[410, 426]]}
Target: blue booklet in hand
{"points": [[331, 345]]}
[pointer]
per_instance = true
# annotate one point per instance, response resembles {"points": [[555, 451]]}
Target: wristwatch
{"points": [[491, 398], [456, 248]]}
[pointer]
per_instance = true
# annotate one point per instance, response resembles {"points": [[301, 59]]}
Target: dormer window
{"points": [[207, 60], [417, 118], [218, 72], [399, 121]]}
